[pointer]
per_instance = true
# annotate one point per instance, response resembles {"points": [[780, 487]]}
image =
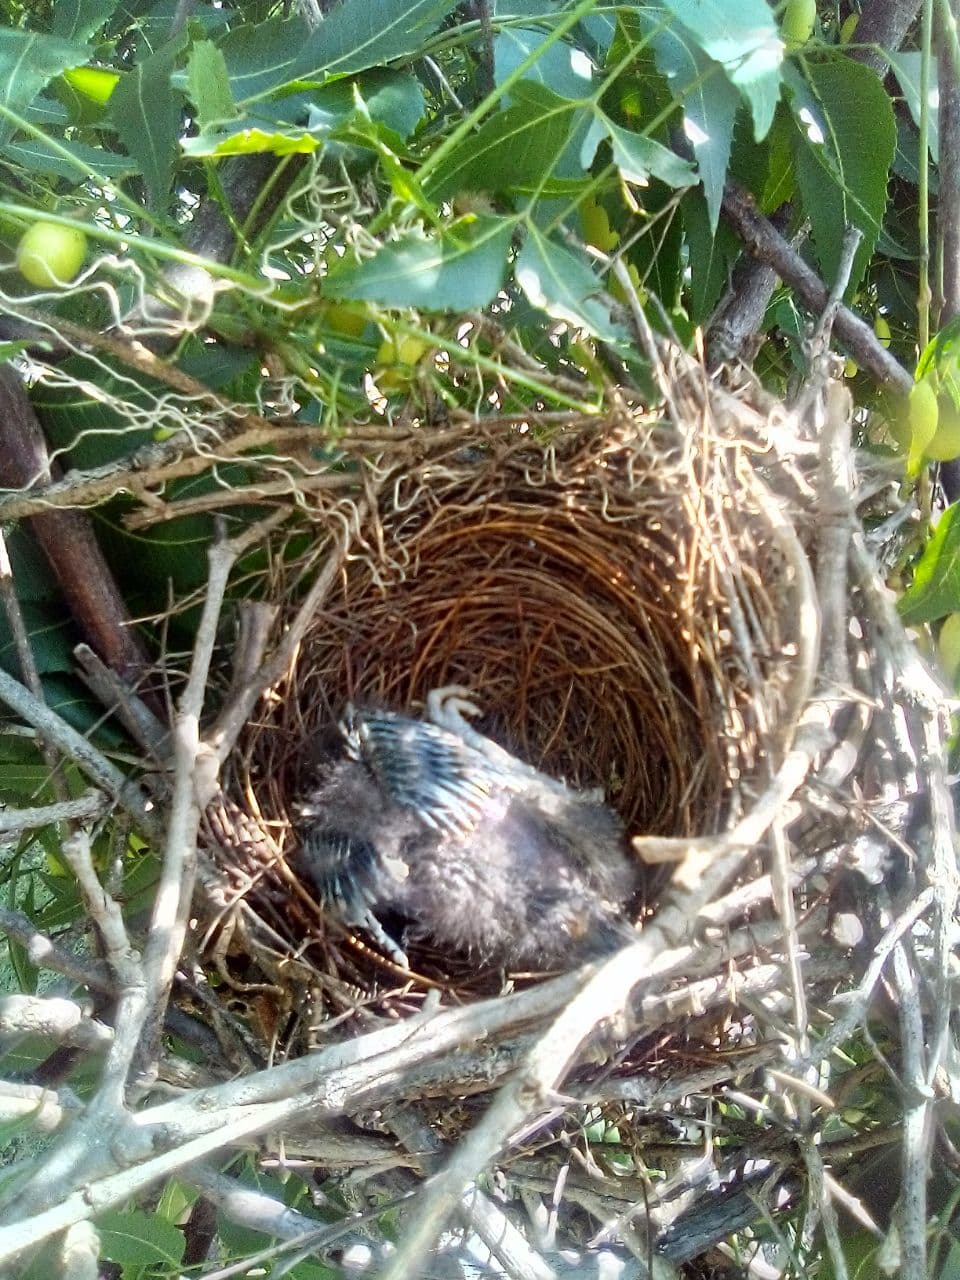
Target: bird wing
{"points": [[348, 877], [448, 784]]}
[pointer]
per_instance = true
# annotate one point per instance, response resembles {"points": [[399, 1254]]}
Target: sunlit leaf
{"points": [[743, 37], [709, 102], [563, 285], [843, 182]]}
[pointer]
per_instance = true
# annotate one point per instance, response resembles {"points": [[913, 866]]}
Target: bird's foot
{"points": [[447, 706]]}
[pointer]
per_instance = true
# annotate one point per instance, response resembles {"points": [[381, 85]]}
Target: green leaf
{"points": [[905, 65], [36, 156], [842, 180], [241, 140], [713, 250], [80, 19], [515, 150], [566, 71], [639, 158], [463, 268], [709, 103], [145, 111], [28, 62], [935, 590], [356, 35], [138, 1240], [743, 37], [208, 84], [562, 284]]}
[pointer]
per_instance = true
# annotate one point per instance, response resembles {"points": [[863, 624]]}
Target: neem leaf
{"points": [[242, 140], [80, 19], [462, 268], [709, 103], [208, 84], [145, 111], [562, 285], [638, 158], [565, 70], [35, 156], [842, 177], [28, 61], [356, 35], [515, 149], [935, 590], [744, 39], [138, 1240]]}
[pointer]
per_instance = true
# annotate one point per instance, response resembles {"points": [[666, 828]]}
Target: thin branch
{"points": [[765, 243], [73, 745]]}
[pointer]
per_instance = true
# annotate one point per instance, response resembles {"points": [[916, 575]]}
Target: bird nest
{"points": [[630, 600]]}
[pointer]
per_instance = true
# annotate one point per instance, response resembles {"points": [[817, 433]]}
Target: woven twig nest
{"points": [[631, 601], [620, 619]]}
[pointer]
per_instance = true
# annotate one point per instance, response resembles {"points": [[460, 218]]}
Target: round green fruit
{"points": [[799, 19], [49, 254], [948, 648]]}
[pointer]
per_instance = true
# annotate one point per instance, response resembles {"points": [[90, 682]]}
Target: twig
{"points": [[766, 244], [194, 785], [93, 804], [56, 731], [45, 954], [834, 530], [238, 710], [917, 1120], [116, 695]]}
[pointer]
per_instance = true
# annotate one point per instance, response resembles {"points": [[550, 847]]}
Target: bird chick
{"points": [[432, 821]]}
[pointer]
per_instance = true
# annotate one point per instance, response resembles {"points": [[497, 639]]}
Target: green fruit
{"points": [[923, 415], [945, 443], [799, 19], [948, 648], [49, 254], [881, 327]]}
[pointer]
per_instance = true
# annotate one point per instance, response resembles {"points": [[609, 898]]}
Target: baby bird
{"points": [[479, 852]]}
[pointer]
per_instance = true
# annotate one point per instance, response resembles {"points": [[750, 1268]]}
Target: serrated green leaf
{"points": [[744, 39], [29, 61], [709, 103], [566, 71], [516, 149], [563, 285], [146, 113], [842, 181], [208, 84], [935, 590], [139, 1240], [355, 36], [639, 158], [463, 268], [80, 19], [34, 155], [712, 252], [905, 65]]}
